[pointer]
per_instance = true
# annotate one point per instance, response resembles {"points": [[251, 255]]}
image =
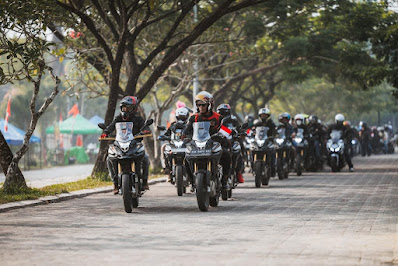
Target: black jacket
{"points": [[270, 124]]}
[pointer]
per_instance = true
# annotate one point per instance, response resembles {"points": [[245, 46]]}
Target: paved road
{"points": [[316, 219], [55, 175]]}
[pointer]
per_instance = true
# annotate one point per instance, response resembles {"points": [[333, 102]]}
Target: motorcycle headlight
{"points": [[298, 140], [260, 142], [201, 144], [279, 141], [353, 142], [178, 143]]}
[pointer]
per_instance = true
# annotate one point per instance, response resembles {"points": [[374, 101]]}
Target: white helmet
{"points": [[264, 111], [339, 118], [299, 119], [182, 114]]}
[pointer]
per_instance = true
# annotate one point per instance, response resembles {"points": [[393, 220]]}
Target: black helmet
{"points": [[224, 109], [249, 119], [131, 103], [314, 119]]}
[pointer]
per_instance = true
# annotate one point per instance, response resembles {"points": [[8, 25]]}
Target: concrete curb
{"points": [[65, 196]]}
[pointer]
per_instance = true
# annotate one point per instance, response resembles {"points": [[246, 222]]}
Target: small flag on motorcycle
{"points": [[226, 132]]}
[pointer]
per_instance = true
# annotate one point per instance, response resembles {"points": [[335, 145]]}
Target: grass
{"points": [[35, 193]]}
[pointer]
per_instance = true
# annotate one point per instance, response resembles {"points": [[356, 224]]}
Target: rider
{"points": [[284, 119], [227, 118], [318, 133], [204, 102], [128, 110], [181, 116], [346, 133], [266, 121]]}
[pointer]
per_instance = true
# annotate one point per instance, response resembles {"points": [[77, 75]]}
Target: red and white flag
{"points": [[8, 114], [226, 132]]}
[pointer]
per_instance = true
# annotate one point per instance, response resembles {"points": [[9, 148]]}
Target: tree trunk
{"points": [[100, 163], [14, 176]]}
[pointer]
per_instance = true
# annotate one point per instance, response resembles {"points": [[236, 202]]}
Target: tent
{"points": [[76, 125], [14, 135], [95, 120]]}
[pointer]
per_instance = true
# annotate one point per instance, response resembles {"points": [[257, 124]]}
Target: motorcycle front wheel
{"points": [[258, 172], [202, 196], [126, 190], [179, 180]]}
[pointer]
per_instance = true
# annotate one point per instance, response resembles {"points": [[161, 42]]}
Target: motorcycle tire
{"points": [[126, 190], [258, 171], [298, 165], [224, 194], [179, 180], [202, 196], [136, 200], [279, 168]]}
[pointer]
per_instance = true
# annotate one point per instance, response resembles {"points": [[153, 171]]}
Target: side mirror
{"points": [[245, 126], [101, 126], [148, 122], [161, 127]]}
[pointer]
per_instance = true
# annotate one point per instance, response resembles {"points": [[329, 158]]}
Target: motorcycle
{"points": [[302, 149], [235, 154], [174, 152], [283, 147], [128, 151], [335, 148], [262, 149], [249, 139], [203, 155]]}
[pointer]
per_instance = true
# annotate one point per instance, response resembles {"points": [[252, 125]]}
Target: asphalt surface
{"points": [[316, 219]]}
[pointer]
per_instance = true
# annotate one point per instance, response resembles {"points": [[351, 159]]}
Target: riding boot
{"points": [[145, 184], [240, 177], [115, 188]]}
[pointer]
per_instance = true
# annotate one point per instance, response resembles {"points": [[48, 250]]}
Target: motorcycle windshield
{"points": [[201, 131], [124, 131], [300, 132], [282, 133], [177, 134], [335, 135], [262, 133]]}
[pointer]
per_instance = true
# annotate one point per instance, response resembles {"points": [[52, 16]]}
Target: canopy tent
{"points": [[95, 120], [76, 125], [14, 135]]}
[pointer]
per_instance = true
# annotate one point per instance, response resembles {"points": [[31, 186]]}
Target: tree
{"points": [[119, 29], [25, 60]]}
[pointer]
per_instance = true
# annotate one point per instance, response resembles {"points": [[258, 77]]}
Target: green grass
{"points": [[35, 193]]}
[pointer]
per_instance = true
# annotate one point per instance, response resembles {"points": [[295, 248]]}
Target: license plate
{"points": [[196, 152]]}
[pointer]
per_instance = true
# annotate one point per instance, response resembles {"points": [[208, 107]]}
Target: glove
{"points": [[103, 135]]}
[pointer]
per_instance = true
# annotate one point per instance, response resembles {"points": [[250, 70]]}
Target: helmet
{"points": [[339, 119], [205, 97], [299, 119], [131, 103], [284, 115], [264, 111], [182, 114], [249, 119], [224, 109], [314, 119]]}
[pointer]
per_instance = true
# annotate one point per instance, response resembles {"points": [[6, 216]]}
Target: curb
{"points": [[65, 196]]}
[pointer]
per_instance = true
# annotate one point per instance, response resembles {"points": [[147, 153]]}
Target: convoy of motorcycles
{"points": [[195, 161]]}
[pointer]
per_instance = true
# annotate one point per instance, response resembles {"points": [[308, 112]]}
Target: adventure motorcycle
{"points": [[335, 148], [128, 151], [262, 149], [301, 149], [203, 155], [283, 147], [174, 152]]}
